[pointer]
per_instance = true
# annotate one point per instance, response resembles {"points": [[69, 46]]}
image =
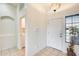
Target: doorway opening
{"points": [[22, 32]]}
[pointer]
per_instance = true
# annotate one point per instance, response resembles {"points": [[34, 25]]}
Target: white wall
{"points": [[35, 31], [7, 34], [7, 27], [7, 10]]}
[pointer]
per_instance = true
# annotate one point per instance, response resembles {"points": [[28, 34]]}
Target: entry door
{"points": [[54, 33]]}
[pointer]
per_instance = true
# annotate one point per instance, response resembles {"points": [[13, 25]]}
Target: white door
{"points": [[54, 33]]}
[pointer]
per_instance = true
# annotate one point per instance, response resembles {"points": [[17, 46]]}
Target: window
{"points": [[72, 27]]}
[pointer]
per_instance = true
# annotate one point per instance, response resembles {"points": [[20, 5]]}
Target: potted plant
{"points": [[73, 30], [74, 33]]}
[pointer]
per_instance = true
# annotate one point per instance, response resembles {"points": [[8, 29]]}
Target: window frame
{"points": [[69, 23]]}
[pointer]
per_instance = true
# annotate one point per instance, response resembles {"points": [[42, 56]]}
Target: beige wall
{"points": [[36, 30]]}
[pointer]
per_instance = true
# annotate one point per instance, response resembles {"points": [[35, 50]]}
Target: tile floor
{"points": [[13, 52], [21, 52], [50, 52]]}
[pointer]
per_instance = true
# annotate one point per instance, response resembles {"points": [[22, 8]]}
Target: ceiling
{"points": [[65, 9], [45, 7]]}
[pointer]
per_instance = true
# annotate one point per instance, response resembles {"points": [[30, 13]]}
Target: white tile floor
{"points": [[50, 52], [13, 52]]}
